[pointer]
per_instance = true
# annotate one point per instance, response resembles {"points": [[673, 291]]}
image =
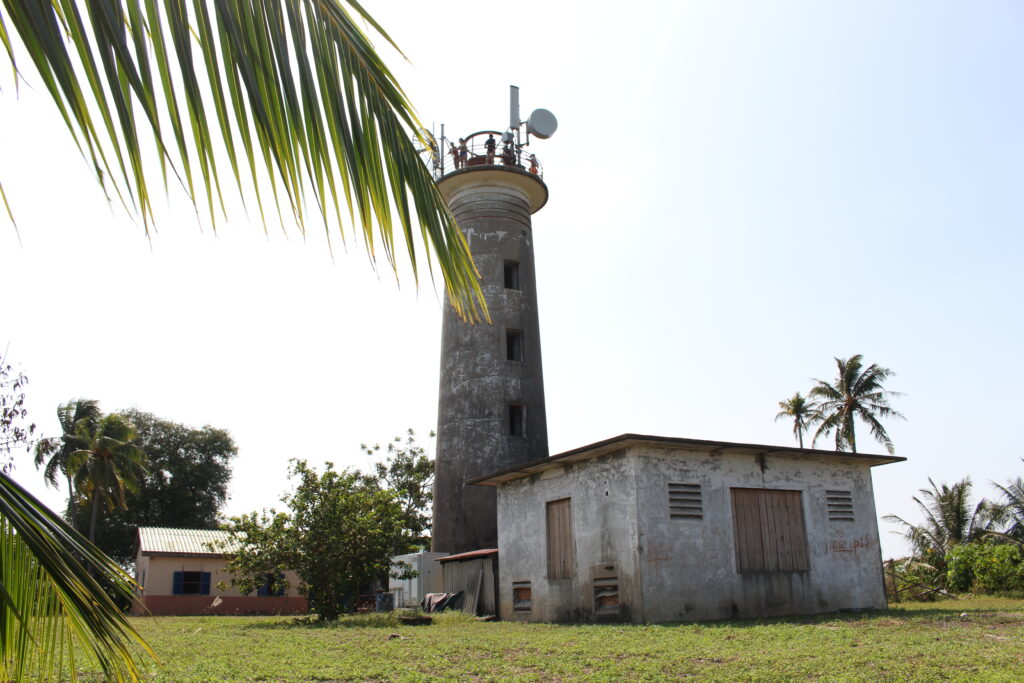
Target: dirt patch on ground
{"points": [[713, 660]]}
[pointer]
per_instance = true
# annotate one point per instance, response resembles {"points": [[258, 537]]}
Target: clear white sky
{"points": [[739, 192]]}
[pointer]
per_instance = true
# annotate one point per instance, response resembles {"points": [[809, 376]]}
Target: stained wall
{"points": [[685, 569], [478, 382]]}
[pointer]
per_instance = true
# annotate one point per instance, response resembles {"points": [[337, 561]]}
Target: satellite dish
{"points": [[542, 123]]}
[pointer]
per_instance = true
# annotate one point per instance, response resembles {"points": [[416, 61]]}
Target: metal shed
{"points": [[476, 573]]}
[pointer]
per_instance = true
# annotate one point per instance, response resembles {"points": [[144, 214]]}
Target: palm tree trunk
{"points": [[95, 514], [800, 437], [851, 429], [72, 508]]}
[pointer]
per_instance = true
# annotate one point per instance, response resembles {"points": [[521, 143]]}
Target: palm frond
{"points": [[1004, 537], [50, 605], [828, 424], [3, 195], [825, 391], [291, 92], [948, 519], [877, 430], [920, 537], [1011, 508]]}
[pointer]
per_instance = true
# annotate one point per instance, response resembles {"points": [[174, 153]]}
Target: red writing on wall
{"points": [[844, 545]]}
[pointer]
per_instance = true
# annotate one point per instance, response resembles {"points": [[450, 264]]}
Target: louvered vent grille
{"points": [[606, 596], [840, 505], [522, 596], [684, 501]]}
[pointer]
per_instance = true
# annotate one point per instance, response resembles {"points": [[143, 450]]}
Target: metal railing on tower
{"points": [[479, 149]]}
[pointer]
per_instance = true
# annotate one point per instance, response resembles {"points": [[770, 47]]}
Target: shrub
{"points": [[910, 579], [985, 567], [960, 563]]}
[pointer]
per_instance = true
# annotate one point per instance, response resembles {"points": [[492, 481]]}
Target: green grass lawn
{"points": [[915, 641]]}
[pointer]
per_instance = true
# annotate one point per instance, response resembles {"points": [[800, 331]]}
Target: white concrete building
{"points": [[410, 592], [652, 529]]}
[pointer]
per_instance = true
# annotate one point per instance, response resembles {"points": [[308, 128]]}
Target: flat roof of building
{"points": [[626, 440], [162, 541]]}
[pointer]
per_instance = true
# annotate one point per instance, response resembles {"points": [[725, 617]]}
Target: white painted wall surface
{"points": [[604, 533], [689, 566], [409, 592], [684, 569]]}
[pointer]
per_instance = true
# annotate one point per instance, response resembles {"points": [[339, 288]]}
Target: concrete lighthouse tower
{"points": [[491, 397]]}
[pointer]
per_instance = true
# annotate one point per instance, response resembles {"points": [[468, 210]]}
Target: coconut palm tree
{"points": [[1009, 511], [949, 520], [804, 413], [53, 453], [290, 95], [107, 464], [856, 393]]}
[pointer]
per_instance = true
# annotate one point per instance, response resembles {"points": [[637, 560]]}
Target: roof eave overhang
{"points": [[157, 553], [625, 441]]}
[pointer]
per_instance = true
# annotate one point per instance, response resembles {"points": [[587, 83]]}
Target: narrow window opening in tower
{"points": [[514, 345], [516, 419], [512, 275]]}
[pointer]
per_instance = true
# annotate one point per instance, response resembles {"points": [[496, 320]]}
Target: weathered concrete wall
{"points": [[604, 534], [689, 566], [686, 569], [477, 382]]}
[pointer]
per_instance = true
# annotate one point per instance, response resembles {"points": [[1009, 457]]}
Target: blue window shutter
{"points": [[280, 584], [262, 591], [179, 579], [204, 583]]}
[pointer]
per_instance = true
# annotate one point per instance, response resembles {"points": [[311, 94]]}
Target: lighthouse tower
{"points": [[491, 396]]}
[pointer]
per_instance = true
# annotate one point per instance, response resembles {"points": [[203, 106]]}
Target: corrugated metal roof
{"points": [[154, 539]]}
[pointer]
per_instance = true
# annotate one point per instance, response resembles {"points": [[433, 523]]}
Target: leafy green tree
{"points": [[337, 536], [408, 472], [266, 550], [107, 466], [857, 392], [803, 412], [13, 432], [949, 520], [53, 453], [185, 485]]}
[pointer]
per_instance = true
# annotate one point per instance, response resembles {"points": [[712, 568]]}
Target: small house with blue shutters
{"points": [[178, 571]]}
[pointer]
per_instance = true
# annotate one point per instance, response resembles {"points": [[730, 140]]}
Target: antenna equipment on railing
{"points": [[474, 150]]}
